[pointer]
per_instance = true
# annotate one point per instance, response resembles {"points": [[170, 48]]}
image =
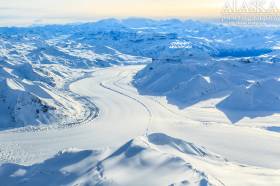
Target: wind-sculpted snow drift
{"points": [[156, 159], [156, 154]]}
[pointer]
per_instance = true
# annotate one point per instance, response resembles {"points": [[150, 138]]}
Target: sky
{"points": [[53, 11]]}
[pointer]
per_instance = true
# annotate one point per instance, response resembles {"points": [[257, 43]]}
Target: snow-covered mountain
{"points": [[156, 159], [43, 57], [31, 95], [36, 62], [215, 66], [128, 75], [250, 84], [154, 156]]}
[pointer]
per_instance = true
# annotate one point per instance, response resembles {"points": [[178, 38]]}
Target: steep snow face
{"points": [[25, 103], [34, 73], [259, 96], [256, 100], [29, 93], [183, 83]]}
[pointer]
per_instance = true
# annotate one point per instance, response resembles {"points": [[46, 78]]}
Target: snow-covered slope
{"points": [[189, 81], [113, 41], [258, 99], [171, 152], [25, 103], [36, 62], [148, 161], [156, 159]]}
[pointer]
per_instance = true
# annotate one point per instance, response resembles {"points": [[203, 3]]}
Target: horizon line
{"points": [[63, 20]]}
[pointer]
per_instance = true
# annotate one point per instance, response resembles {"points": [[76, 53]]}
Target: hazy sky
{"points": [[37, 11]]}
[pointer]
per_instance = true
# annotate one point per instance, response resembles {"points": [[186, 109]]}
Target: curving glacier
{"points": [[139, 102]]}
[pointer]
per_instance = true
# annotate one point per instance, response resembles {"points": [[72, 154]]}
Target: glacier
{"points": [[113, 102]]}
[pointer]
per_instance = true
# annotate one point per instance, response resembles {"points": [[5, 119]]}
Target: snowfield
{"points": [[156, 136], [111, 103]]}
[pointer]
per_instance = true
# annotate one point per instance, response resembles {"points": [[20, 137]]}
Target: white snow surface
{"points": [[162, 144], [247, 88], [78, 107]]}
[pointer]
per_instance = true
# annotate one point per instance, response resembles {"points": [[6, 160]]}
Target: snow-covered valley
{"points": [[111, 103], [233, 146]]}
